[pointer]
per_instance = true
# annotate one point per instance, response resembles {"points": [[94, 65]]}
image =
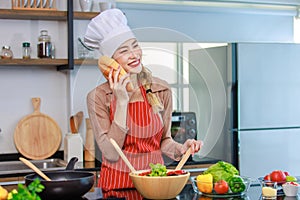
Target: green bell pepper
{"points": [[236, 184]]}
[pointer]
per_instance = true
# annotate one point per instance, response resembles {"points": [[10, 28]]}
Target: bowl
{"points": [[279, 185], [290, 189], [197, 184], [159, 187]]}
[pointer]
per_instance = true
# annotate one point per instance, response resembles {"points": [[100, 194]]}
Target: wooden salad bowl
{"points": [[159, 187]]}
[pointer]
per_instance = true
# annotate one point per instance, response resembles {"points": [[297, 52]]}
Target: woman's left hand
{"points": [[194, 144]]}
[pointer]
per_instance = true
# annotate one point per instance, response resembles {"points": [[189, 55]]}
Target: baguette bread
{"points": [[105, 63]]}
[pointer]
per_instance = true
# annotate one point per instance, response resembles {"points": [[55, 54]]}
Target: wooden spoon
{"points": [[183, 159], [122, 155], [73, 125], [78, 119], [34, 168], [75, 122]]}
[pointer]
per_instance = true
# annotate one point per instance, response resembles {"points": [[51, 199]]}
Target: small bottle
{"points": [[44, 47], [26, 50], [6, 52]]}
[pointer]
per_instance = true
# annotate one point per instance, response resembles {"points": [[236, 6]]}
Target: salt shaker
{"points": [[26, 50]]}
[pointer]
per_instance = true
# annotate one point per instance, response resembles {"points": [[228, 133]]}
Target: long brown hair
{"points": [[145, 78]]}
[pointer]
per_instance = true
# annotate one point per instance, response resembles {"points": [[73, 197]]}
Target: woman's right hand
{"points": [[119, 86]]}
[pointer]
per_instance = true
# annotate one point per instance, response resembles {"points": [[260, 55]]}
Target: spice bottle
{"points": [[26, 50], [6, 52], [44, 47]]}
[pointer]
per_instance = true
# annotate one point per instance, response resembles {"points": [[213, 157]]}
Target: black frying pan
{"points": [[65, 184]]}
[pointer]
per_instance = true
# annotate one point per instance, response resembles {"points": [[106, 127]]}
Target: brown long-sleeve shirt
{"points": [[98, 102]]}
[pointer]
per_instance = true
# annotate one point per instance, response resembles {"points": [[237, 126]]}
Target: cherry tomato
{"points": [[267, 177], [145, 173], [294, 183], [221, 187], [278, 176], [176, 172], [286, 173]]}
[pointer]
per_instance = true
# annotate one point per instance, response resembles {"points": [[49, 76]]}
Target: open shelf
{"points": [[40, 14]]}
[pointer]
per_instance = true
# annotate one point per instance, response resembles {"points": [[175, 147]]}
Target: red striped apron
{"points": [[141, 146]]}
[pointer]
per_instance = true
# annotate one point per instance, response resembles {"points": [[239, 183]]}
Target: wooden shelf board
{"points": [[33, 62], [85, 15], [43, 14], [45, 62], [34, 14], [86, 62]]}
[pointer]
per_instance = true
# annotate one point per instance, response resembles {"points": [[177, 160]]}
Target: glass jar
{"points": [[26, 50], [44, 46], [6, 53]]}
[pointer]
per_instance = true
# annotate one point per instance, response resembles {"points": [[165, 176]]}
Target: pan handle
{"points": [[71, 163]]}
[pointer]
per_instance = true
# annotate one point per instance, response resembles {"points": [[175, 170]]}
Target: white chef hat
{"points": [[107, 31]]}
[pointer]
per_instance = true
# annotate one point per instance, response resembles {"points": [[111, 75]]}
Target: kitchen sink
{"points": [[15, 167]]}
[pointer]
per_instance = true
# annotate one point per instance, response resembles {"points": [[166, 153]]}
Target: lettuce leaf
{"points": [[221, 171], [158, 170]]}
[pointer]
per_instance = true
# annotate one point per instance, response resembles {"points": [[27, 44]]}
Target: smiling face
{"points": [[128, 55]]}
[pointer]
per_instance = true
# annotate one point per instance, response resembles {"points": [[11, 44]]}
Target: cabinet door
{"points": [[208, 78], [269, 85], [263, 151]]}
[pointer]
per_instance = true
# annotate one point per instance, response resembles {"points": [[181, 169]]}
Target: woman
{"points": [[139, 120]]}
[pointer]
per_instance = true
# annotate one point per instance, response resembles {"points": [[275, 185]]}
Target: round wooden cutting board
{"points": [[37, 136]]}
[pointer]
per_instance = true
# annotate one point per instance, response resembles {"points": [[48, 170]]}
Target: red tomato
{"points": [[267, 177], [278, 176], [221, 187]]}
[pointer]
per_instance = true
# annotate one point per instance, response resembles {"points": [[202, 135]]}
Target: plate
{"points": [[38, 2], [44, 3], [51, 4], [25, 3], [31, 3]]}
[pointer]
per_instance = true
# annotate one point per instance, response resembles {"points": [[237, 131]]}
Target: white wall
{"points": [[18, 86], [212, 24]]}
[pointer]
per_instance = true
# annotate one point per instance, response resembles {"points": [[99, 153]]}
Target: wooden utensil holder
{"points": [[33, 5]]}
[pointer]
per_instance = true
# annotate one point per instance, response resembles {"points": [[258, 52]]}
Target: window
{"points": [[170, 61]]}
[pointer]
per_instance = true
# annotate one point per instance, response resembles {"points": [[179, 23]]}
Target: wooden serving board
{"points": [[37, 136]]}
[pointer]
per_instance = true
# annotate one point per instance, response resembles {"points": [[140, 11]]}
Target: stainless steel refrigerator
{"points": [[261, 130], [267, 116]]}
